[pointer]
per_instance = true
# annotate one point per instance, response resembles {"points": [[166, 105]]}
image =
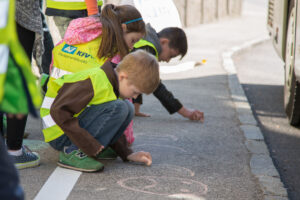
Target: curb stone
{"points": [[252, 132], [257, 147], [261, 164]]}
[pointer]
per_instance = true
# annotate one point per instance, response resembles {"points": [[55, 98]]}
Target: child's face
{"points": [[131, 38], [126, 89], [166, 52]]}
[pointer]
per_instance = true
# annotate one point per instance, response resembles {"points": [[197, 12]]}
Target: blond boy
{"points": [[87, 111]]}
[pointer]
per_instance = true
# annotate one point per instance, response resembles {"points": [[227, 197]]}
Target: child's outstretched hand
{"points": [[194, 115], [141, 156], [197, 116], [140, 114]]}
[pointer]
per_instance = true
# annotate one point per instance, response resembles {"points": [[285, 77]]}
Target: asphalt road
{"points": [[190, 160], [261, 74]]}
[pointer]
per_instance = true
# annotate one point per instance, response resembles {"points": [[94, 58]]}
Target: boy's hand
{"points": [[141, 156], [140, 114], [194, 115], [197, 115]]}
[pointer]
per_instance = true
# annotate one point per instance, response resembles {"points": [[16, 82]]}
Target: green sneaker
{"points": [[77, 160], [107, 154]]}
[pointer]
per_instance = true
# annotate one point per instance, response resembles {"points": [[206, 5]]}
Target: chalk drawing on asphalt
{"points": [[169, 169], [163, 136], [161, 146], [186, 197], [164, 185]]}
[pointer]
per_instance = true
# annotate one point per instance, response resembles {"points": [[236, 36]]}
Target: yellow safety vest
{"points": [[15, 67], [103, 92], [143, 43], [68, 59], [69, 4]]}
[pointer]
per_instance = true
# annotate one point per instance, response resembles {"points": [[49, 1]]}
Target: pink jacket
{"points": [[82, 30]]}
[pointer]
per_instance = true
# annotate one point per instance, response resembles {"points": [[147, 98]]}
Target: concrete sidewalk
{"points": [[190, 160]]}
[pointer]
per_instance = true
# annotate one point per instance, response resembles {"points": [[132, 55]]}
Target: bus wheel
{"points": [[291, 85]]}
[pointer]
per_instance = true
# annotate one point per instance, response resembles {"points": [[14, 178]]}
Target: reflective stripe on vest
{"points": [[4, 13], [47, 103], [4, 53], [48, 121], [4, 50], [69, 4], [57, 73], [143, 43]]}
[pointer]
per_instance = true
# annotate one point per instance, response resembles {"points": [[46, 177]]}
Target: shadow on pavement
{"points": [[282, 139]]}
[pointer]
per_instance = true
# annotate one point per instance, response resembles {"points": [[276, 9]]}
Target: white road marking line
{"points": [[59, 184]]}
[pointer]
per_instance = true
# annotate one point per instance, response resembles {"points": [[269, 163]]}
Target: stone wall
{"points": [[194, 12]]}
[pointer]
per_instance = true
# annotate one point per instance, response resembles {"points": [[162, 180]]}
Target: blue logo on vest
{"points": [[69, 49]]}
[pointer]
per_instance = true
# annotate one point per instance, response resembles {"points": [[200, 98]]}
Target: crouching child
{"points": [[85, 112]]}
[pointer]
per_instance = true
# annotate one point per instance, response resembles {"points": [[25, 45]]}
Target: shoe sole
{"points": [[79, 169], [28, 164], [107, 158]]}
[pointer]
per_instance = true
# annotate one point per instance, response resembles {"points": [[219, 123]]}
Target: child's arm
{"points": [[126, 153], [137, 112], [71, 99], [121, 148], [92, 7], [173, 105], [167, 99], [194, 115]]}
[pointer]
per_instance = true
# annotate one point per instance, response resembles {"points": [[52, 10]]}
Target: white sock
{"points": [[15, 152]]}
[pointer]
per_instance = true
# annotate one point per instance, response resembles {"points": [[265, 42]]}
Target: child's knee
{"points": [[130, 108], [124, 108]]}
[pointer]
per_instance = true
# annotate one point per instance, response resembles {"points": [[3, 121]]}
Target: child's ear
{"points": [[122, 75], [164, 41], [124, 27]]}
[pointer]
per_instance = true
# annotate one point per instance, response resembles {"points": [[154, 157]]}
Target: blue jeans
{"points": [[106, 122]]}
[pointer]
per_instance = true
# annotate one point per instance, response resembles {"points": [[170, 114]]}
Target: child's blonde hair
{"points": [[142, 70], [112, 17]]}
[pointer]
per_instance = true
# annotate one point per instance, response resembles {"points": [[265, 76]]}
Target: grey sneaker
{"points": [[27, 159]]}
